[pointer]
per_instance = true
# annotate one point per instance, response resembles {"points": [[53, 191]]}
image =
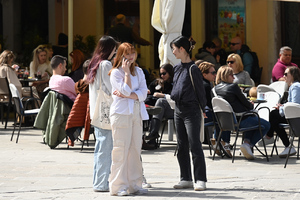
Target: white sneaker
{"points": [[246, 150], [267, 141], [145, 184], [183, 185], [122, 193], [286, 151], [200, 186], [141, 191]]}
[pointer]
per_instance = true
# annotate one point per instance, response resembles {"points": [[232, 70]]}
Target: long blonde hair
{"points": [[5, 56], [36, 52]]}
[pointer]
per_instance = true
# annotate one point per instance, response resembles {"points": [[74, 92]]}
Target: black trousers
{"points": [[275, 118]]}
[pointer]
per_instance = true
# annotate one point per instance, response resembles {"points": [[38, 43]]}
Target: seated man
{"points": [[59, 83], [285, 57]]}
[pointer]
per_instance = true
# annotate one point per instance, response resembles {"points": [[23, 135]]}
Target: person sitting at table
{"points": [[240, 75], [59, 83], [6, 69], [40, 63], [231, 92], [77, 60], [292, 78], [158, 90]]}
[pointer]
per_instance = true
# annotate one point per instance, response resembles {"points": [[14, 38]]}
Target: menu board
{"points": [[231, 20]]}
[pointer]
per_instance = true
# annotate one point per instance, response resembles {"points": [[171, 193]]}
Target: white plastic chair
{"points": [[280, 87], [292, 115]]}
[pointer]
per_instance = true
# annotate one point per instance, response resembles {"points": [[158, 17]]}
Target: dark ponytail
{"points": [[182, 41]]}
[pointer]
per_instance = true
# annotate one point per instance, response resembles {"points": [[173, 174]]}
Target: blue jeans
{"points": [[102, 159], [187, 120], [254, 136]]}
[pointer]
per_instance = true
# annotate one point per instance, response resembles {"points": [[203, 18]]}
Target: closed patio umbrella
{"points": [[167, 18]]}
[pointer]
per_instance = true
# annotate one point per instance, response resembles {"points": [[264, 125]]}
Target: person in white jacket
{"points": [[98, 70], [126, 114]]}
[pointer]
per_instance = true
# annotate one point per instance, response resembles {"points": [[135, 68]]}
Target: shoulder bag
{"points": [[202, 118], [103, 103]]}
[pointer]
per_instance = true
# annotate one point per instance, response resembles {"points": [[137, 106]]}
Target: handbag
{"points": [[101, 115], [202, 118]]}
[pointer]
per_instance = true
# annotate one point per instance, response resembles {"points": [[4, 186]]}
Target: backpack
{"points": [[256, 70]]}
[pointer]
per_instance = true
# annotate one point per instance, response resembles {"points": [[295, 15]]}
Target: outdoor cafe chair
{"points": [[292, 115], [227, 121], [21, 111]]}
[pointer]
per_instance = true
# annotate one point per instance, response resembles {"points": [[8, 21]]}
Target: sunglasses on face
{"points": [[213, 73], [285, 74], [233, 44], [230, 62], [163, 74]]}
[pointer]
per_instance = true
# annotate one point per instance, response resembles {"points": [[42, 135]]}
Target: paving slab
{"points": [[31, 170]]}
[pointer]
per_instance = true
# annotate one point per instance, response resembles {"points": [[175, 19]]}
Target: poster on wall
{"points": [[231, 20]]}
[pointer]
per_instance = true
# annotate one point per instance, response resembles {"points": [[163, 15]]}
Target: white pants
{"points": [[126, 168]]}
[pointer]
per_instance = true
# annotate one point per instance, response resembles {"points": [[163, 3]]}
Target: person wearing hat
{"points": [[123, 33]]}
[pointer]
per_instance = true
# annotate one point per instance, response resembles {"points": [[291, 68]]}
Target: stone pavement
{"points": [[31, 170]]}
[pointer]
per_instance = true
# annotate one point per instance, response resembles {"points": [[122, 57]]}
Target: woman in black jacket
{"points": [[189, 103], [232, 93]]}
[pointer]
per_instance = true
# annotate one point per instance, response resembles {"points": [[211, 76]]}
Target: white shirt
{"points": [[124, 106], [105, 84]]}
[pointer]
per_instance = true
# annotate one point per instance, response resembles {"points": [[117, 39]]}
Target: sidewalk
{"points": [[31, 170]]}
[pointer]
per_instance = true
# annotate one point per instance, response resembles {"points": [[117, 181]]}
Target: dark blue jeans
{"points": [[254, 136], [187, 120]]}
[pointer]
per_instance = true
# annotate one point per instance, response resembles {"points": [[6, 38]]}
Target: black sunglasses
{"points": [[213, 73], [164, 73], [285, 74], [230, 62], [230, 43]]}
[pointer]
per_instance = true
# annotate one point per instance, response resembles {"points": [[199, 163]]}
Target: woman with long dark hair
{"points": [[190, 99], [98, 69], [292, 78]]}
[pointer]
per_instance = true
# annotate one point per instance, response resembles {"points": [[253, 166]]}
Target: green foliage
{"points": [[86, 45], [31, 39]]}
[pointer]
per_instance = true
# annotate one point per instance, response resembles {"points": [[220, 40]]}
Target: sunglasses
{"points": [[285, 74], [164, 73], [233, 44], [213, 73], [230, 62]]}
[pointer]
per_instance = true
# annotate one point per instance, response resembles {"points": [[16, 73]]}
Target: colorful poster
{"points": [[231, 20]]}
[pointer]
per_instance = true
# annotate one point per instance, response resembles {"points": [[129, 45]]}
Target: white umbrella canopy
{"points": [[167, 18]]}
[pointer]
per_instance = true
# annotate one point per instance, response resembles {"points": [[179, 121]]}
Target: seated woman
{"points": [[231, 92], [40, 65], [292, 78], [160, 88], [6, 69], [240, 75]]}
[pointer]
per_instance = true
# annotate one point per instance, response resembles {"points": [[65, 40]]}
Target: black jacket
{"points": [[183, 91], [233, 94]]}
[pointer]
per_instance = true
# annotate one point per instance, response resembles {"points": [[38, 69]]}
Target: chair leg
{"points": [[274, 146], [162, 133], [234, 146], [288, 155], [20, 125], [261, 135], [218, 144], [15, 123]]}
